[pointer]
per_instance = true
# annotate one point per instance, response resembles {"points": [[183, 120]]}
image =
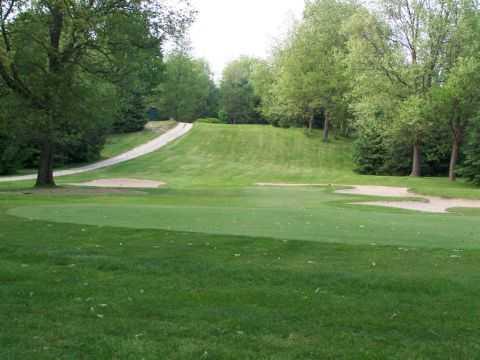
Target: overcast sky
{"points": [[226, 29]]}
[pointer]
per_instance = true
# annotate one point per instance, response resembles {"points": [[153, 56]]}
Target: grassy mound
{"points": [[238, 156], [225, 155]]}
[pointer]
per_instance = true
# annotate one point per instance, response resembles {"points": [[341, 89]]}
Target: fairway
{"points": [[312, 214]]}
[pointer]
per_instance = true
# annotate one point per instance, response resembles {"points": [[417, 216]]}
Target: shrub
{"points": [[369, 149], [471, 166], [133, 115], [11, 154], [209, 121]]}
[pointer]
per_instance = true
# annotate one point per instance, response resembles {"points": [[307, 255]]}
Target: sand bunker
{"points": [[288, 185], [376, 191], [122, 183], [429, 204]]}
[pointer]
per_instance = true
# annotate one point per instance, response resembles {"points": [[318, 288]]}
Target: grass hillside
{"points": [[237, 156], [241, 155]]}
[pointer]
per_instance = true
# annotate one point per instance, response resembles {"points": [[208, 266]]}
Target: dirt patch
{"points": [[122, 183]]}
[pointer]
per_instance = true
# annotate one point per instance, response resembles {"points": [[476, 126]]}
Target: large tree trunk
{"points": [[453, 160], [457, 141], [326, 127], [416, 164], [45, 166], [45, 163], [310, 122]]}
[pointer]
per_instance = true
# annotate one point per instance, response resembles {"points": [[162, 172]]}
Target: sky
{"points": [[227, 29]]}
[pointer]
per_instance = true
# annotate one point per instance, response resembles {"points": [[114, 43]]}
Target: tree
{"points": [[309, 68], [188, 91], [53, 53], [406, 45], [370, 151], [471, 166], [238, 100], [457, 103]]}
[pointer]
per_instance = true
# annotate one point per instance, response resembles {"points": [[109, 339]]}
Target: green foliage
{"points": [[370, 152], [14, 146], [422, 86], [209, 121], [132, 116], [188, 90], [307, 75], [12, 152], [239, 103], [223, 116], [471, 165]]}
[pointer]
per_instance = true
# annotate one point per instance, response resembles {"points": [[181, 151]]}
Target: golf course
{"points": [[211, 265], [239, 180]]}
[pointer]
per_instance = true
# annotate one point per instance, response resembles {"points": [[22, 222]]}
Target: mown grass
{"points": [[313, 214]]}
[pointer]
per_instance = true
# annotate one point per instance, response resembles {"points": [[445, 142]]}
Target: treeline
{"points": [[400, 76], [189, 92]]}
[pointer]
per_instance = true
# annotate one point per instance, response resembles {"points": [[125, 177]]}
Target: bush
{"points": [[398, 157], [14, 148], [369, 150], [470, 169], [133, 115], [209, 121], [223, 116], [12, 154]]}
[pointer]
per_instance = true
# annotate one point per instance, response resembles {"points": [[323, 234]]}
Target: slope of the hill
{"points": [[231, 156]]}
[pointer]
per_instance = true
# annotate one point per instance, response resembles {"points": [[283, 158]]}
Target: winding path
{"points": [[147, 148]]}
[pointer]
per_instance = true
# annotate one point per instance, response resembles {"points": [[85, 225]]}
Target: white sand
{"points": [[430, 204], [377, 191], [122, 183], [288, 185]]}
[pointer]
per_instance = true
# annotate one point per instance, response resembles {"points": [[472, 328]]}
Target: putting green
{"points": [[325, 218]]}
